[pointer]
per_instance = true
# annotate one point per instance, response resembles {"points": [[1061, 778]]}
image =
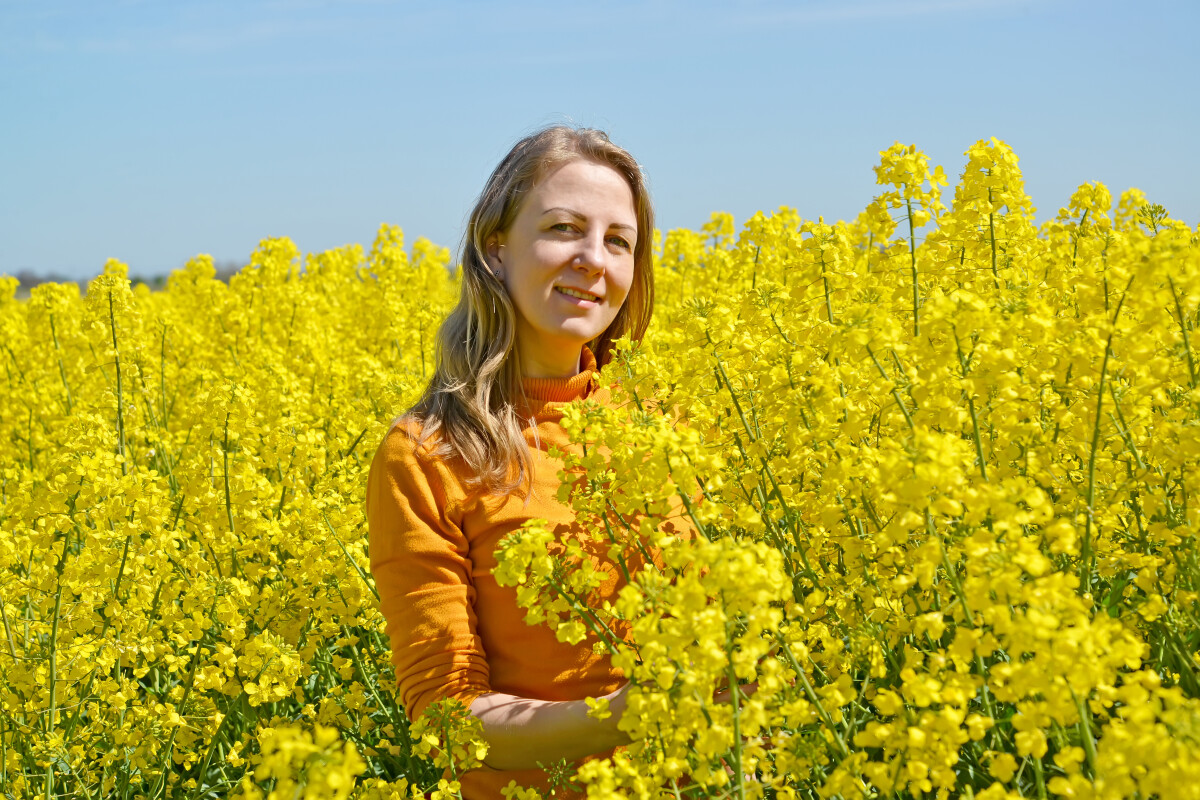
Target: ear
{"points": [[494, 254]]}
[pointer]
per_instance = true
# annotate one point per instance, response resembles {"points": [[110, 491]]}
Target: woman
{"points": [[556, 267]]}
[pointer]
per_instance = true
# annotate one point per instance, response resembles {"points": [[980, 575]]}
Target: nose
{"points": [[592, 256]]}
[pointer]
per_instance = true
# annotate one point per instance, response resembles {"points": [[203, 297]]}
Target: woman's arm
{"points": [[421, 562], [522, 733]]}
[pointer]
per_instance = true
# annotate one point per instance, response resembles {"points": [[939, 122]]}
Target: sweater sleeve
{"points": [[421, 561]]}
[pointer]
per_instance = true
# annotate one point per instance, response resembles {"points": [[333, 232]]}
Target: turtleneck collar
{"points": [[564, 390]]}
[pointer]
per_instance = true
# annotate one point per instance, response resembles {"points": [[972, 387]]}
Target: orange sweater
{"points": [[454, 631]]}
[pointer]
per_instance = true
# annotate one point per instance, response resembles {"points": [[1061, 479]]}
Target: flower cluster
{"points": [[294, 762], [183, 565], [453, 740], [942, 467]]}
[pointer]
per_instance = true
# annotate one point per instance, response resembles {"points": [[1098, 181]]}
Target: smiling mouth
{"points": [[579, 293]]}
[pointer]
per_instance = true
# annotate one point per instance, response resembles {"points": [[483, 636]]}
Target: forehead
{"points": [[585, 182]]}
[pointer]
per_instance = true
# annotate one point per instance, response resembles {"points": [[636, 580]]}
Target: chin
{"points": [[577, 335]]}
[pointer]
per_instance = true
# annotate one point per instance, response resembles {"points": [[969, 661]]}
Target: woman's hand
{"points": [[523, 733]]}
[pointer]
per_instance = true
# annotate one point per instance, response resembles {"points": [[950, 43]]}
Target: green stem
{"points": [[735, 701], [978, 440], [12, 645], [687, 504], [895, 391], [1078, 234], [734, 397], [594, 623], [354, 444], [912, 252], [112, 322], [1039, 777], [50, 716], [811, 693], [170, 748], [1123, 429], [828, 300], [162, 377], [62, 371], [371, 683], [950, 571], [212, 746], [1085, 553], [787, 518], [1183, 329], [366, 581], [225, 460], [121, 568], [964, 364], [1085, 731], [612, 538], [992, 232], [70, 726]]}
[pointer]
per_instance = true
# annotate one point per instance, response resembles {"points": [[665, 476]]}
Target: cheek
{"points": [[532, 275], [626, 283], [548, 254]]}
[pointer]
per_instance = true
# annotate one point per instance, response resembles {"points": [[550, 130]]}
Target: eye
{"points": [[620, 242], [564, 227]]}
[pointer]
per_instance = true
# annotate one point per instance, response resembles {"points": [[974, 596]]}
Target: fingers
{"points": [[745, 690]]}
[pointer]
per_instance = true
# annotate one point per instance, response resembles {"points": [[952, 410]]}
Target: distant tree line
{"points": [[27, 278]]}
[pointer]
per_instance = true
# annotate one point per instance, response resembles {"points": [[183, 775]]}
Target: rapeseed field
{"points": [[942, 462]]}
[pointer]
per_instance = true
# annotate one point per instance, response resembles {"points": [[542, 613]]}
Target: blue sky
{"points": [[152, 131]]}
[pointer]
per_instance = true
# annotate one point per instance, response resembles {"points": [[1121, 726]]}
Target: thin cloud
{"points": [[772, 13], [891, 9], [215, 26], [202, 28]]}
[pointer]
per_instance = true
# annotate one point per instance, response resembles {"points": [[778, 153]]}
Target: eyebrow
{"points": [[577, 215]]}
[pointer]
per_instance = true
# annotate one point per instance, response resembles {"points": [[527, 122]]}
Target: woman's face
{"points": [[567, 263]]}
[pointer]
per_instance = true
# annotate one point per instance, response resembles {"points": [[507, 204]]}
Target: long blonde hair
{"points": [[470, 407]]}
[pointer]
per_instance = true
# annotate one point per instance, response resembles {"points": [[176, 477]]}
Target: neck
{"points": [[564, 364]]}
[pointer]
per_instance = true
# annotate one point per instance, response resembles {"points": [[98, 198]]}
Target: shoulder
{"points": [[405, 448], [403, 439], [409, 463]]}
